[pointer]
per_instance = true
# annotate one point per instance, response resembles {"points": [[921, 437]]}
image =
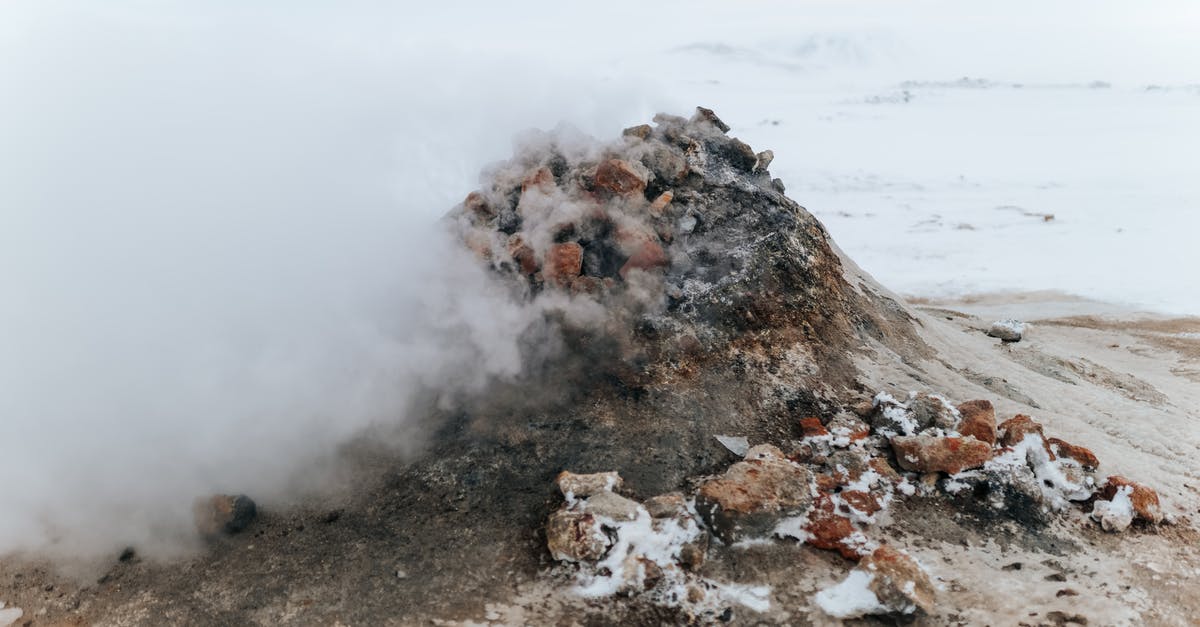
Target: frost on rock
{"points": [[1117, 514], [1007, 330], [10, 615], [886, 583], [851, 598]]}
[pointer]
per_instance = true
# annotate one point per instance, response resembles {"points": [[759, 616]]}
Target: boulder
{"points": [[829, 530], [666, 505], [1013, 431], [619, 177], [978, 420], [930, 411], [574, 536], [754, 494], [1007, 330], [948, 454], [899, 582]]}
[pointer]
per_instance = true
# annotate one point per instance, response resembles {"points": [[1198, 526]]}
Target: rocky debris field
{"points": [[827, 491]]}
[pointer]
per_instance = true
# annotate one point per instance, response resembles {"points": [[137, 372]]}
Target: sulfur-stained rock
{"points": [[574, 536], [978, 420], [659, 206], [1085, 457], [1012, 431], [829, 530], [574, 485], [224, 513], [754, 494], [949, 454], [1143, 498]]}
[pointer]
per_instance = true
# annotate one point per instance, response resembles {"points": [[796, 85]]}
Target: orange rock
{"points": [[899, 581], [884, 469], [830, 530], [619, 177], [978, 420], [828, 482], [522, 254], [811, 427], [1085, 457], [563, 263], [1014, 430], [1144, 498], [660, 204], [928, 453]]}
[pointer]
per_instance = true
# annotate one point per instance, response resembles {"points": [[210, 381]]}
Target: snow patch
{"points": [[851, 598]]}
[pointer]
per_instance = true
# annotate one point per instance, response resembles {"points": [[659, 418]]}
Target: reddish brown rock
{"points": [[575, 536], [811, 427], [864, 502], [1085, 457], [978, 420], [1144, 498], [830, 530], [563, 263], [754, 494], [643, 249], [478, 205], [884, 469], [708, 116], [928, 453], [479, 244], [619, 177], [522, 254], [899, 582], [1014, 430], [542, 179]]}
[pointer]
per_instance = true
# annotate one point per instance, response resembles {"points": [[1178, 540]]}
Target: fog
{"points": [[219, 251]]}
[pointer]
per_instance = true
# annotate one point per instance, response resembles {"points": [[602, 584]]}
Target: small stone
{"points": [[563, 263], [666, 505], [643, 249], [575, 536], [619, 177], [641, 131], [707, 116], [951, 455], [849, 426], [1007, 330], [929, 411], [585, 485], [1085, 457], [764, 160], [660, 204], [224, 513], [978, 420], [830, 530], [754, 494], [1059, 618], [811, 427], [740, 155], [899, 582], [478, 205], [1014, 430], [522, 254], [1143, 498]]}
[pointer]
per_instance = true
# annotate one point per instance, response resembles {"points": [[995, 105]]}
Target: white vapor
{"points": [[220, 255]]}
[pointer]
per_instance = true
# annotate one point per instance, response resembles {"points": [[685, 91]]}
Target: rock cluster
{"points": [[836, 478]]}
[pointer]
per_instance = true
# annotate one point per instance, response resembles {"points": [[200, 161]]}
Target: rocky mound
{"points": [[692, 310]]}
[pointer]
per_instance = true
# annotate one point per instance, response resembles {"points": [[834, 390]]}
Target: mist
{"points": [[220, 255]]}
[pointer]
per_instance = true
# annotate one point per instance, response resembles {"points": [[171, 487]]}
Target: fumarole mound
{"points": [[721, 420]]}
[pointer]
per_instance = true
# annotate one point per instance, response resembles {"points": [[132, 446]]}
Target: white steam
{"points": [[220, 256]]}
